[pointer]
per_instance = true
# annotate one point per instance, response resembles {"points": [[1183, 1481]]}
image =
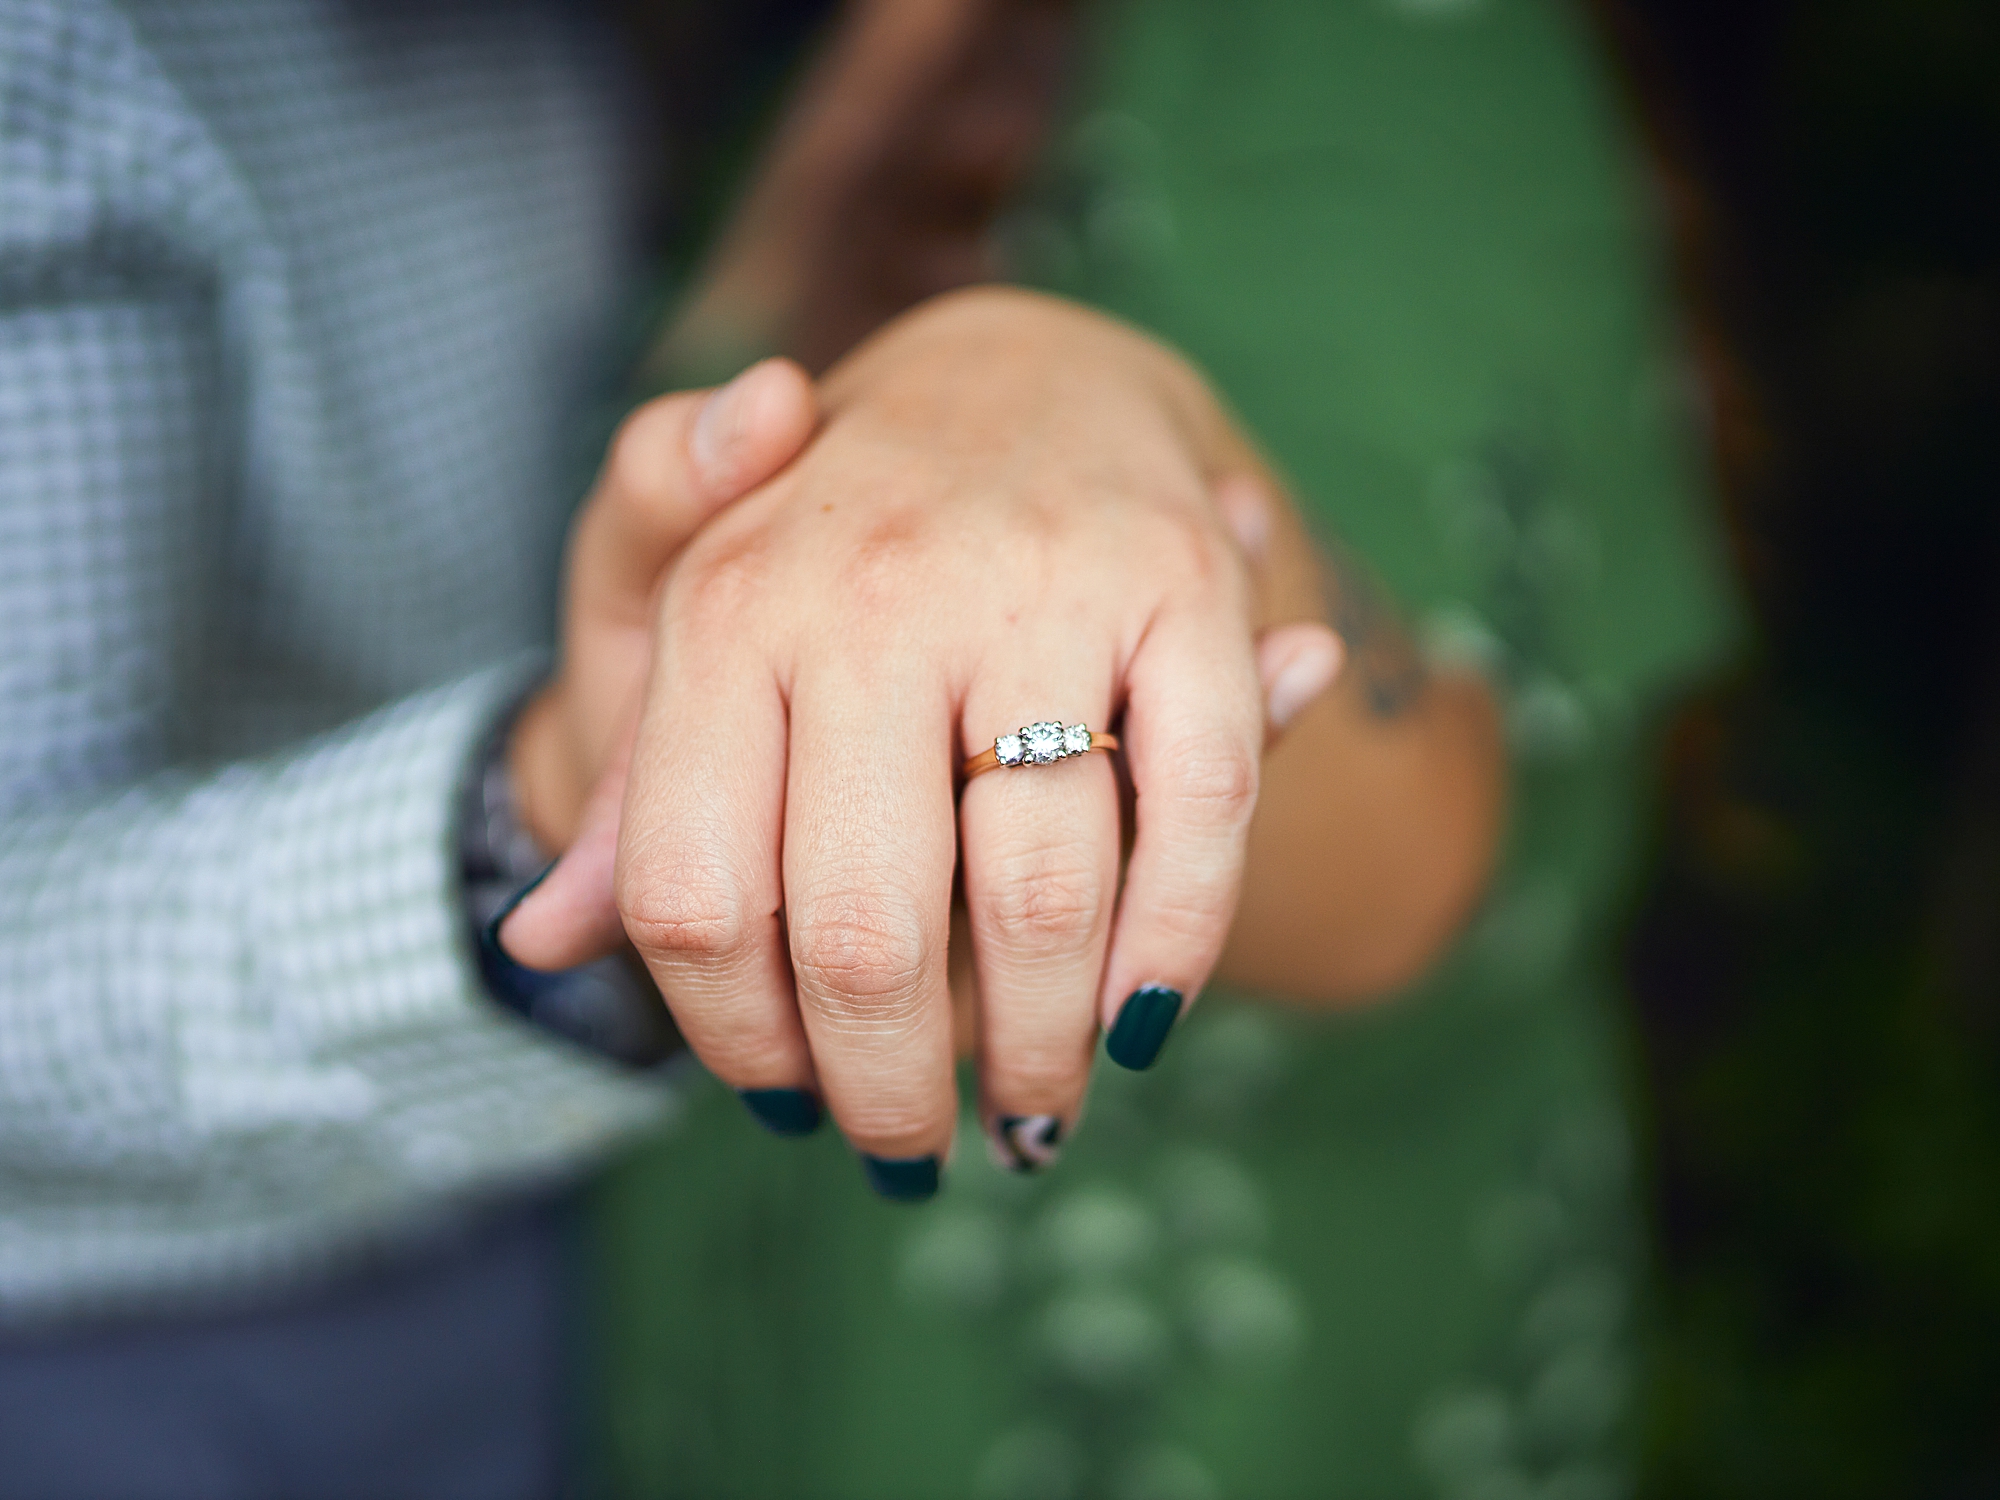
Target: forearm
{"points": [[1379, 810], [241, 1023]]}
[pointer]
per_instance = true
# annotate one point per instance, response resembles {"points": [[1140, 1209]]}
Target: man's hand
{"points": [[674, 463]]}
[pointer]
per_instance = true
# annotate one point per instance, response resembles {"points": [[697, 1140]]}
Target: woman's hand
{"points": [[1007, 518]]}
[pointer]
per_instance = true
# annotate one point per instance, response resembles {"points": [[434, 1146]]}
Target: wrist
{"points": [[608, 1005]]}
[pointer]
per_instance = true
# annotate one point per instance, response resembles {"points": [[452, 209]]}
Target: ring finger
{"points": [[1041, 875]]}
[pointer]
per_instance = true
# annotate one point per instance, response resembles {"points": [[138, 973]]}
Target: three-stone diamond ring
{"points": [[1039, 745]]}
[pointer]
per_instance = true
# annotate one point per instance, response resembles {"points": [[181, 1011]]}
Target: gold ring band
{"points": [[1039, 744]]}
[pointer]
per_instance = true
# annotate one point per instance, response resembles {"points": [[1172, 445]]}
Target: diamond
{"points": [[1007, 750], [1043, 742], [1076, 739]]}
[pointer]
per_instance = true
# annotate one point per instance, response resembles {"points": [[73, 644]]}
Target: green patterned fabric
{"points": [[1376, 1254]]}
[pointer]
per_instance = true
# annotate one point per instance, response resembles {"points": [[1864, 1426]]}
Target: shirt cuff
{"points": [[359, 921], [609, 1006]]}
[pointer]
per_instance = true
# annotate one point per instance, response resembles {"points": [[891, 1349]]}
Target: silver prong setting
{"points": [[1043, 742]]}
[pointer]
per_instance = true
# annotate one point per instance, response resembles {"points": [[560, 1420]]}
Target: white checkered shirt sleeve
{"points": [[241, 1036]]}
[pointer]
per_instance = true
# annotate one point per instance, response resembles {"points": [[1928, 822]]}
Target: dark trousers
{"points": [[445, 1375]]}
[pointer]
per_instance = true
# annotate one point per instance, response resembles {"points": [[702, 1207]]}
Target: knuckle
{"points": [[1213, 778], [864, 954], [1197, 899], [882, 562], [1048, 898], [1184, 546], [677, 910], [720, 583]]}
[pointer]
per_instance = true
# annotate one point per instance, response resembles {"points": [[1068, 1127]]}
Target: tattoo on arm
{"points": [[1382, 661]]}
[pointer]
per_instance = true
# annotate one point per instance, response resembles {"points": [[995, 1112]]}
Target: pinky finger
{"points": [[1295, 664], [1193, 740], [570, 915]]}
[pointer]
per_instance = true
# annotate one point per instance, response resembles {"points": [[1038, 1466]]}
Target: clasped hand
{"points": [[789, 617]]}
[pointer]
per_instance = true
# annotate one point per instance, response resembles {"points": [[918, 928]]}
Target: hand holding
{"points": [[1008, 518], [673, 464]]}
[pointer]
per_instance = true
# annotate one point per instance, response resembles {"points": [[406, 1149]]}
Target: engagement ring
{"points": [[1039, 745]]}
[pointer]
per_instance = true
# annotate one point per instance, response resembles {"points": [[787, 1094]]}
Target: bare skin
{"points": [[1011, 508], [1381, 805], [916, 124]]}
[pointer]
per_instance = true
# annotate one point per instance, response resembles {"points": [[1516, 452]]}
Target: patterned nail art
{"points": [[1025, 1143]]}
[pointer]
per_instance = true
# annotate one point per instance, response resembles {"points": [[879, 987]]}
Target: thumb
{"points": [[570, 915], [673, 464]]}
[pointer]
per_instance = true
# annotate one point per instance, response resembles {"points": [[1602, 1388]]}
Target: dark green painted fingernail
{"points": [[489, 935], [906, 1179], [1141, 1029], [783, 1111]]}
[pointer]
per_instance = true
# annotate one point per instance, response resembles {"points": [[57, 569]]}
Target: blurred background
{"points": [[1817, 959]]}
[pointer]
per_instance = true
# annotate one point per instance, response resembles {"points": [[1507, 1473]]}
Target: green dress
{"points": [[1377, 1254]]}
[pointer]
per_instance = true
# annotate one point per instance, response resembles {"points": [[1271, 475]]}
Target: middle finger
{"points": [[868, 855]]}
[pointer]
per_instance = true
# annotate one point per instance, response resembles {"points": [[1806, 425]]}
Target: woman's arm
{"points": [[1382, 802]]}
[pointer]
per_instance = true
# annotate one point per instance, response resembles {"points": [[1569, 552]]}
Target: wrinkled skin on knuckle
{"points": [[886, 563], [678, 909], [1212, 780], [863, 959], [1044, 900], [1197, 896]]}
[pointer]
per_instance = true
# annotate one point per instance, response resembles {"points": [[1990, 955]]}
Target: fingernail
{"points": [[783, 1111], [1025, 1143], [902, 1179], [1140, 1031], [1300, 680], [717, 427], [489, 935]]}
